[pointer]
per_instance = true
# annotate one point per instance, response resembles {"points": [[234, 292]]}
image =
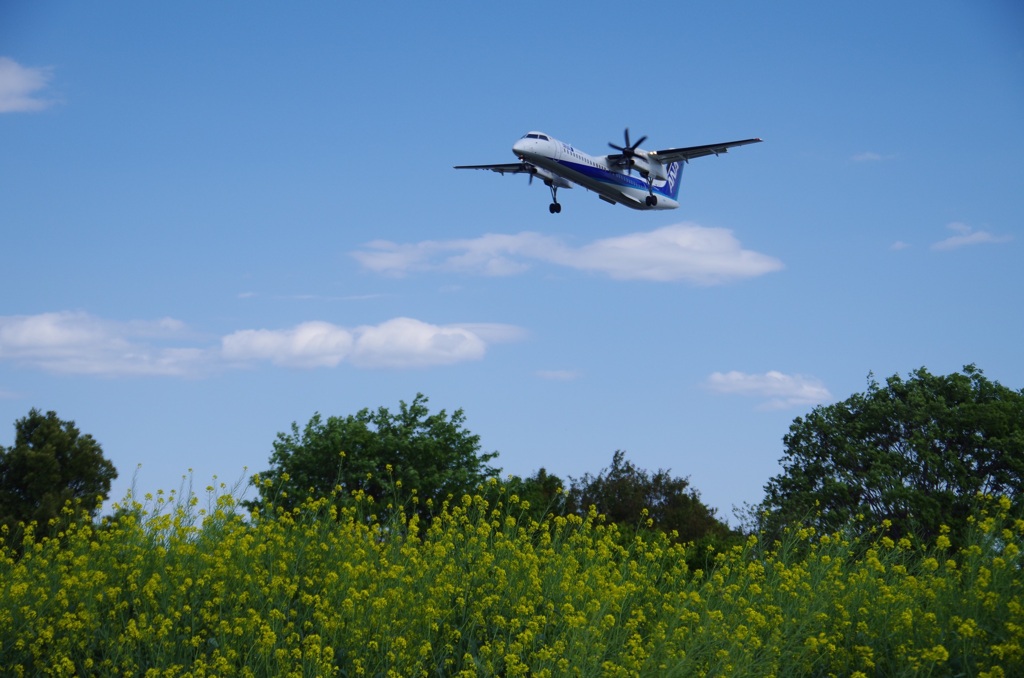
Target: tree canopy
{"points": [[914, 452], [379, 453], [50, 464], [622, 492]]}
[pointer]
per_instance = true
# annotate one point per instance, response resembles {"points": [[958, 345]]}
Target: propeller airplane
{"points": [[560, 165]]}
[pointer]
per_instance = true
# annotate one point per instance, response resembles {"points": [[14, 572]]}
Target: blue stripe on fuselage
{"points": [[617, 179]]}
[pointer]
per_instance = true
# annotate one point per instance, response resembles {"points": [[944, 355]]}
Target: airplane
{"points": [[560, 165]]}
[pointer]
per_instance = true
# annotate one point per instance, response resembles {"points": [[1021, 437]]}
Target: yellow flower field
{"points": [[175, 588]]}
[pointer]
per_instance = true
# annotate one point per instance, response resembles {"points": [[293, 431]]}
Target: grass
{"points": [[180, 585]]}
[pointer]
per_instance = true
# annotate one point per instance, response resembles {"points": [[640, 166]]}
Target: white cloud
{"points": [[405, 342], [19, 87], [968, 236], [701, 255], [899, 245], [79, 343], [396, 343], [311, 344], [490, 254], [689, 252], [780, 390]]}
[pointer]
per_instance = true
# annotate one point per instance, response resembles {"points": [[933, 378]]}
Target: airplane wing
{"points": [[511, 168], [670, 155], [547, 176]]}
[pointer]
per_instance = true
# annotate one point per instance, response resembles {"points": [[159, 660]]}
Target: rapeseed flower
{"points": [[175, 585]]}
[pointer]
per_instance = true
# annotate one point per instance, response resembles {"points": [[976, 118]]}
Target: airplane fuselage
{"points": [[598, 174]]}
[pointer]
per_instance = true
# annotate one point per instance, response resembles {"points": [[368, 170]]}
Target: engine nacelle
{"points": [[549, 178], [648, 167]]}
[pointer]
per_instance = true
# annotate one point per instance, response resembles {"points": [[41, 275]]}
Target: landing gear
{"points": [[554, 207], [651, 199]]}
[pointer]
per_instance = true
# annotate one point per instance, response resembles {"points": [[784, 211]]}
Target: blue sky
{"points": [[220, 218]]}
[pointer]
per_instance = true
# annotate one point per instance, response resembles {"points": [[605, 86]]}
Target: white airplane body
{"points": [[559, 165]]}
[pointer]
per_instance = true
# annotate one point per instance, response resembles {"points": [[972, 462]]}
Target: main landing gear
{"points": [[554, 207], [651, 199]]}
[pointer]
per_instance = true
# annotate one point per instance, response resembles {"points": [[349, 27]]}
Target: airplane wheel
{"points": [[554, 208], [651, 201]]}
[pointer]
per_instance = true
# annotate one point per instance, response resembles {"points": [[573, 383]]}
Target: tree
{"points": [[545, 492], [384, 455], [622, 491], [50, 464], [915, 452]]}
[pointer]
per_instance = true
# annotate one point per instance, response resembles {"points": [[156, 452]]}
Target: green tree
{"points": [[545, 492], [50, 464], [914, 452], [383, 454], [622, 491]]}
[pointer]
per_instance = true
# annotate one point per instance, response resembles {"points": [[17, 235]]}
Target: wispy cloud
{"points": [[871, 156], [559, 375], [313, 297], [899, 245], [965, 235], [688, 252], [20, 87], [79, 343], [396, 343], [778, 390]]}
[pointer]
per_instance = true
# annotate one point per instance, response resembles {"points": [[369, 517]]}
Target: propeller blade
{"points": [[629, 149]]}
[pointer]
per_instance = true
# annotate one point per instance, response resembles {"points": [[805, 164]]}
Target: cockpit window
{"points": [[536, 136]]}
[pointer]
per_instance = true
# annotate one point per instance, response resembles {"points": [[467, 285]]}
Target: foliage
{"points": [[914, 452], [631, 496], [173, 588], [51, 463], [380, 454], [543, 492]]}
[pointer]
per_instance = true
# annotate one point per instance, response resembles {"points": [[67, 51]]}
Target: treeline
{"points": [[912, 454], [413, 460]]}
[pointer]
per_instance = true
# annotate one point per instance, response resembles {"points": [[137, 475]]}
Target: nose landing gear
{"points": [[554, 207]]}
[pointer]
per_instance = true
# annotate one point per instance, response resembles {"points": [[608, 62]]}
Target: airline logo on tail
{"points": [[672, 187]]}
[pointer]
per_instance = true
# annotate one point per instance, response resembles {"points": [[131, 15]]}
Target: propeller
{"points": [[629, 150]]}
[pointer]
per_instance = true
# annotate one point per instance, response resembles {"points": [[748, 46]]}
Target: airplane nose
{"points": [[519, 147]]}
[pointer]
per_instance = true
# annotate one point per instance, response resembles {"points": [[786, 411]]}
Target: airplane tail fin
{"points": [[675, 175]]}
